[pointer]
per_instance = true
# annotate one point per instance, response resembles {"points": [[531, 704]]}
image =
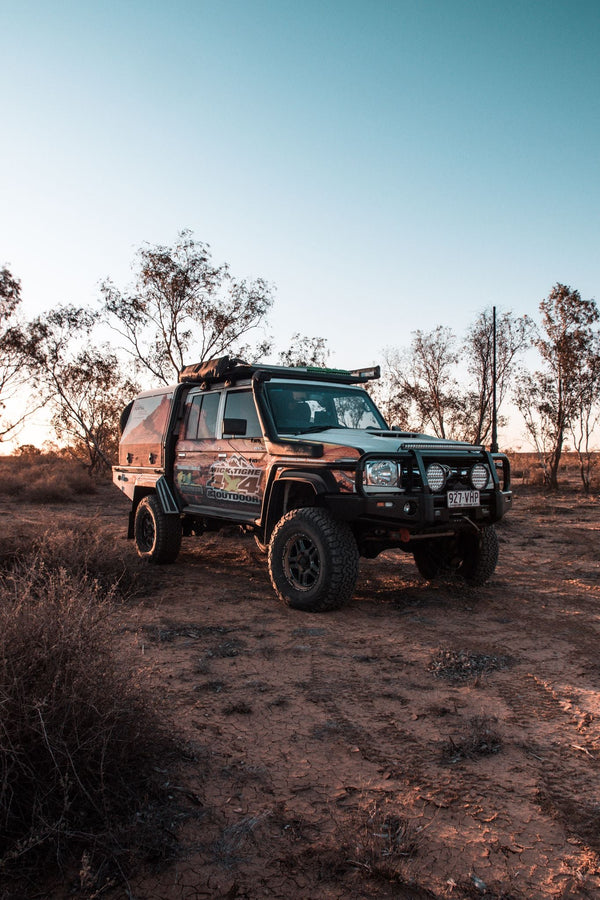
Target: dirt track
{"points": [[425, 742]]}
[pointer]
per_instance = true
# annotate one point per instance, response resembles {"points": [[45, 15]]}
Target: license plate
{"points": [[463, 498]]}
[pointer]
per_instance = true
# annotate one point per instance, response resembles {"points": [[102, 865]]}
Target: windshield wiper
{"points": [[313, 428]]}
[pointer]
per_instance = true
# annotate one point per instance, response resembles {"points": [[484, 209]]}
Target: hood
{"points": [[382, 441]]}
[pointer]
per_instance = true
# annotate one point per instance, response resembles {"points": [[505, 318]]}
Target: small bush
{"points": [[80, 742], [50, 488]]}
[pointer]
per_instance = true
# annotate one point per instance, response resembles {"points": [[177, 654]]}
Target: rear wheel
{"points": [[433, 557], [471, 554], [313, 560], [479, 551], [157, 535]]}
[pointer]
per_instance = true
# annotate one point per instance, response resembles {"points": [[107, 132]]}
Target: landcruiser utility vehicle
{"points": [[303, 459]]}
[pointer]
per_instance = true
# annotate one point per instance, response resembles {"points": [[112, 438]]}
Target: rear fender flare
{"points": [[165, 496]]}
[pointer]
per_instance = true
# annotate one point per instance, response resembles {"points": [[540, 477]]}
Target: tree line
{"points": [[182, 307]]}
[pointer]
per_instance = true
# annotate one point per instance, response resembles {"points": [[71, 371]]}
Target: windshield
{"points": [[301, 407]]}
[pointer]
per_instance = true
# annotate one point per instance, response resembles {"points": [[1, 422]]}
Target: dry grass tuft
{"points": [[85, 550], [480, 738], [381, 844], [460, 665]]}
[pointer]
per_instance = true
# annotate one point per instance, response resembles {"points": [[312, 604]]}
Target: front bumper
{"points": [[414, 506], [418, 513]]}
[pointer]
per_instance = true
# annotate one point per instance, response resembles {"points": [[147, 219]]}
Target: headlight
{"points": [[479, 476], [436, 476], [383, 472]]}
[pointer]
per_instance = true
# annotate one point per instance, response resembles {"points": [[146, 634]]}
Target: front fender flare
{"points": [[276, 505]]}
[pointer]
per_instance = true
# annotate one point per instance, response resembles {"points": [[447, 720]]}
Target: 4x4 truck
{"points": [[303, 459]]}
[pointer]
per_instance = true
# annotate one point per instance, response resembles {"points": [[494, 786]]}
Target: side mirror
{"points": [[235, 427]]}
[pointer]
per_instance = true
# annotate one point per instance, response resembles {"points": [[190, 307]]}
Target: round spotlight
{"points": [[436, 476], [479, 476]]}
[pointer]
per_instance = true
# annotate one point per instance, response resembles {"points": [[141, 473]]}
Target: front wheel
{"points": [[157, 535], [313, 560]]}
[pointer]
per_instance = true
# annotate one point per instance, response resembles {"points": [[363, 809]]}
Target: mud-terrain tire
{"points": [[157, 535], [313, 560], [432, 557], [472, 554], [479, 551]]}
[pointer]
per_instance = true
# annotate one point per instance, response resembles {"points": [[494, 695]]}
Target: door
{"points": [[221, 472], [236, 476], [196, 447]]}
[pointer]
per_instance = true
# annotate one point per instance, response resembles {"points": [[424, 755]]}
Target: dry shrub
{"points": [[44, 478], [86, 550], [51, 488], [480, 738], [459, 665], [381, 843], [80, 741], [89, 551]]}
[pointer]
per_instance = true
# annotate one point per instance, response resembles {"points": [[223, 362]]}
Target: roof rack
{"points": [[232, 369]]}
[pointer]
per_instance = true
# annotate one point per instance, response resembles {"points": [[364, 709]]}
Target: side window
{"points": [[207, 426], [142, 438], [240, 405], [191, 428], [202, 417], [148, 418]]}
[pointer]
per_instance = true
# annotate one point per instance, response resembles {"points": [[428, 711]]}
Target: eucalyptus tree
{"points": [[183, 308], [422, 390], [491, 352], [305, 351], [83, 383], [551, 398], [17, 399]]}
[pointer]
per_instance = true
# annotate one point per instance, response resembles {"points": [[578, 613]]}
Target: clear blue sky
{"points": [[387, 165]]}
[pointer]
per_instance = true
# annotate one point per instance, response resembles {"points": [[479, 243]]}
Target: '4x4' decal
{"points": [[234, 480]]}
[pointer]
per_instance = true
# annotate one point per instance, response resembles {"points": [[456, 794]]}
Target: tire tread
{"points": [[343, 551], [168, 532]]}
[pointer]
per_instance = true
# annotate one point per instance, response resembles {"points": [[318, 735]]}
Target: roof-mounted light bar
{"points": [[368, 373]]}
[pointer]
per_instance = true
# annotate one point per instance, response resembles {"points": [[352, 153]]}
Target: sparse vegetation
{"points": [[381, 843], [387, 753], [44, 478], [80, 740], [458, 665], [479, 738]]}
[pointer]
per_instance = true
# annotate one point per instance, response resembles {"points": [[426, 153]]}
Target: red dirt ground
{"points": [[428, 741]]}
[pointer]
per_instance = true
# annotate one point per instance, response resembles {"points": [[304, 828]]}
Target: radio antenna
{"points": [[494, 444]]}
